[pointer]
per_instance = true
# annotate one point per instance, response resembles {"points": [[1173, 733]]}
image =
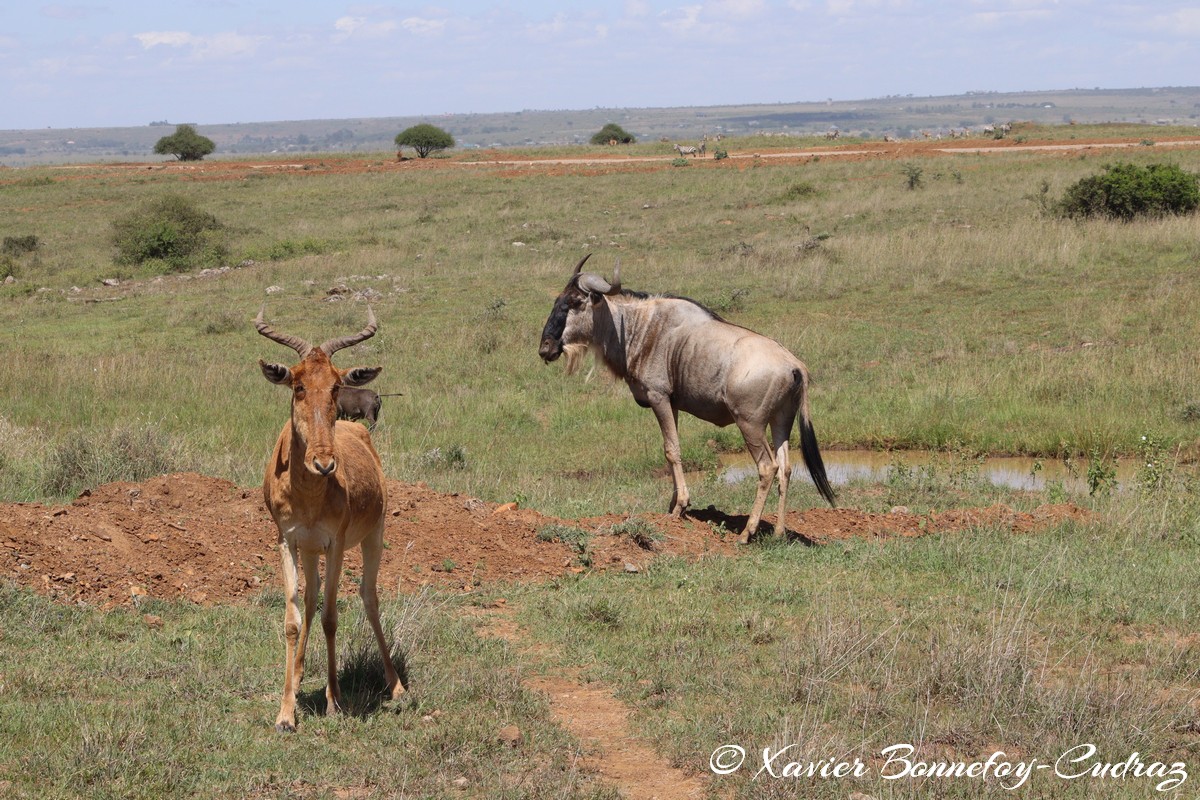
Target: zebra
{"points": [[685, 150]]}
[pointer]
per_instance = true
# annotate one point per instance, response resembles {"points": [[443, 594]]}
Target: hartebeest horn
{"points": [[333, 345], [295, 342]]}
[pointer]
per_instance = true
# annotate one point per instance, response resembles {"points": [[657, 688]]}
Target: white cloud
{"points": [[423, 27], [217, 46], [165, 38], [1184, 22], [347, 27]]}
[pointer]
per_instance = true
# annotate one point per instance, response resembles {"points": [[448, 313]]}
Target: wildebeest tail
{"points": [[812, 460], [808, 444]]}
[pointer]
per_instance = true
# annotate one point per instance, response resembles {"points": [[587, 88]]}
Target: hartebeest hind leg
{"points": [[329, 621], [372, 551]]}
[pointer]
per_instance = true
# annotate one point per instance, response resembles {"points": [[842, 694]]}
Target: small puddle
{"points": [[874, 466]]}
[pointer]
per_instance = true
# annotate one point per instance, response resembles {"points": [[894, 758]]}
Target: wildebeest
{"points": [[676, 355], [324, 487], [354, 403]]}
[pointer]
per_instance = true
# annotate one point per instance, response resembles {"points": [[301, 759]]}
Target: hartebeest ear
{"points": [[360, 376], [275, 373]]}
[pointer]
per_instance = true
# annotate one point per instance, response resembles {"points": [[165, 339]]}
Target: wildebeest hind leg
{"points": [[763, 457]]}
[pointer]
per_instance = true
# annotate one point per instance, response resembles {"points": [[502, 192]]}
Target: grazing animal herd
{"points": [[324, 483]]}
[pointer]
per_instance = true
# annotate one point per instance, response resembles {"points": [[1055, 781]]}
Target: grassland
{"points": [[952, 316]]}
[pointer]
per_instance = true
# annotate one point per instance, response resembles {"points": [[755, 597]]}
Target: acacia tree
{"points": [[613, 132], [185, 144], [424, 138]]}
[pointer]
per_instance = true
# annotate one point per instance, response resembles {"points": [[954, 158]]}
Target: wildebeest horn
{"points": [[616, 281], [295, 342], [579, 266], [333, 345], [591, 282]]}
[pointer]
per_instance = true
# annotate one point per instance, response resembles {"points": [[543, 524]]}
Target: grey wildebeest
{"points": [[324, 487], [354, 404], [676, 355]]}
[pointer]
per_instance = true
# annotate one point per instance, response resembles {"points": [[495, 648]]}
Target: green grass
{"points": [[104, 705], [952, 313], [962, 644]]}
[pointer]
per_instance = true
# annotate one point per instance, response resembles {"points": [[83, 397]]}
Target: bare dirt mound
{"points": [[210, 541]]}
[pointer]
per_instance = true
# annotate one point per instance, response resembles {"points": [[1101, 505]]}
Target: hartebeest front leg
{"points": [[285, 722], [311, 564], [668, 422]]}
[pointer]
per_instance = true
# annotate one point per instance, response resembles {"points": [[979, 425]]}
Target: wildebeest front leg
{"points": [[668, 421]]}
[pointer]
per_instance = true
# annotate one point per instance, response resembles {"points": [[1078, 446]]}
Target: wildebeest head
{"points": [[569, 327]]}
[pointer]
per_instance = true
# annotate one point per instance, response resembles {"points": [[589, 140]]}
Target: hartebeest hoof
{"points": [[284, 726]]}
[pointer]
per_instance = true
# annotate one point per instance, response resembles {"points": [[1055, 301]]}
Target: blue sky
{"points": [[103, 63]]}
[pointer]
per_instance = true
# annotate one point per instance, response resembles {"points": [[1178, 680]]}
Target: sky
{"points": [[106, 63]]}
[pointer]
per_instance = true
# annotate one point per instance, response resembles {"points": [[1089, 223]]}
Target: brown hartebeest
{"points": [[676, 355], [324, 487]]}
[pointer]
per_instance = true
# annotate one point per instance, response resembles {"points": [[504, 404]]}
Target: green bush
{"points": [[170, 230], [127, 453], [19, 245], [1128, 191], [613, 132]]}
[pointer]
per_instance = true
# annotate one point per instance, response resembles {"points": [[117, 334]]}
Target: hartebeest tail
{"points": [[324, 487], [676, 355]]}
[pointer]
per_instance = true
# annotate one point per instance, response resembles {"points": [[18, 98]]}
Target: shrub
{"points": [[912, 174], [612, 131], [127, 453], [424, 138], [19, 245], [1128, 191], [170, 230]]}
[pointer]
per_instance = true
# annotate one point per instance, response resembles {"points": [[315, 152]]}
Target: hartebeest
{"points": [[325, 490], [676, 355]]}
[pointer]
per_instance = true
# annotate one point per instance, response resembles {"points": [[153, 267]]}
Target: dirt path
{"points": [[612, 751], [237, 169]]}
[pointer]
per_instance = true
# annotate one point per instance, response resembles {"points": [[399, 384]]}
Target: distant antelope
{"points": [[324, 487]]}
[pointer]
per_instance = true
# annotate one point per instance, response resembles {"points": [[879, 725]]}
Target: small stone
{"points": [[460, 783], [152, 620], [633, 568], [899, 510]]}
